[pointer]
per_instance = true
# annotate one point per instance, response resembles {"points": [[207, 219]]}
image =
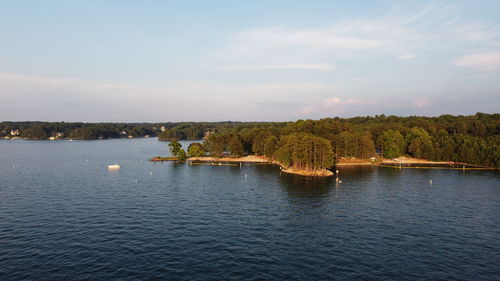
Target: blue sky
{"points": [[126, 61]]}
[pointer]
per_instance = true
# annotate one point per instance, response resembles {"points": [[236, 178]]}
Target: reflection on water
{"points": [[299, 186]]}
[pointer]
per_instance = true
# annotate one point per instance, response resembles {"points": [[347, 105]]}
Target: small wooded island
{"points": [[298, 153]]}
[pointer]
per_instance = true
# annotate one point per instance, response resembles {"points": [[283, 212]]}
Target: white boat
{"points": [[114, 167]]}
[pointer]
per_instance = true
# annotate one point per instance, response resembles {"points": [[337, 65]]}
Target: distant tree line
{"points": [[77, 130]]}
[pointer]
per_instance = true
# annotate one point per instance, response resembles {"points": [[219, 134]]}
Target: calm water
{"points": [[64, 216]]}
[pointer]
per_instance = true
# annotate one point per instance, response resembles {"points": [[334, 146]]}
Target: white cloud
{"points": [[480, 61], [424, 31], [421, 102], [316, 39], [297, 66], [406, 56], [336, 101], [332, 102], [475, 32], [305, 111]]}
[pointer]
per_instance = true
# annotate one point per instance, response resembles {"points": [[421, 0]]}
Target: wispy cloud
{"points": [[336, 101], [406, 56], [480, 61], [476, 32], [305, 111], [332, 106], [421, 102], [424, 31], [296, 66]]}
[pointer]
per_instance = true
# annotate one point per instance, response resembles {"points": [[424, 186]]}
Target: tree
{"points": [[195, 150], [215, 145], [258, 144], [420, 143], [235, 146], [175, 147], [392, 143], [182, 155], [270, 146], [305, 151]]}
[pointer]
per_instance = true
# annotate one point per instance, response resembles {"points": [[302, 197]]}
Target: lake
{"points": [[65, 216]]}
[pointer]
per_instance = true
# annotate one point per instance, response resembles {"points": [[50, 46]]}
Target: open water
{"points": [[64, 216]]}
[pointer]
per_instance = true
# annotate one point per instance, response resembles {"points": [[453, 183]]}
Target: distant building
{"points": [[123, 133], [14, 132], [207, 134], [162, 128]]}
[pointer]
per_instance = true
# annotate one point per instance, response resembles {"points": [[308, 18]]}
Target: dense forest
{"points": [[310, 144], [315, 144], [471, 139]]}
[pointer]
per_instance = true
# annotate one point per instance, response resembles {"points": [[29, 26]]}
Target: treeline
{"points": [[315, 144], [195, 130], [76, 130], [473, 139], [87, 131]]}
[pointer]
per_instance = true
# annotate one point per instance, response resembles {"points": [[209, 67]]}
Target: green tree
{"points": [[392, 143], [258, 144], [175, 147], [235, 146], [305, 151], [270, 146], [182, 155], [215, 145], [420, 143], [195, 150]]}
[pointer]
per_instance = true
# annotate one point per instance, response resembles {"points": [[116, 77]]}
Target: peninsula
{"points": [[306, 145]]}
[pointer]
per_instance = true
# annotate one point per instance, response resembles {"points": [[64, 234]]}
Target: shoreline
{"points": [[261, 159], [408, 162], [402, 162], [316, 173], [244, 159], [250, 159]]}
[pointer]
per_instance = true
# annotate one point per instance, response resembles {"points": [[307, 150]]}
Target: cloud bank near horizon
{"points": [[415, 60]]}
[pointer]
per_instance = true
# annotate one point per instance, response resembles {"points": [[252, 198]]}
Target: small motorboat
{"points": [[114, 167]]}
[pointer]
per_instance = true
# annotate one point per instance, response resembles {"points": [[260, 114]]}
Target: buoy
{"points": [[151, 173], [430, 182], [13, 166], [246, 176]]}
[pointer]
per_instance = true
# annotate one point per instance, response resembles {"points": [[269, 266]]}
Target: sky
{"points": [[158, 61]]}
